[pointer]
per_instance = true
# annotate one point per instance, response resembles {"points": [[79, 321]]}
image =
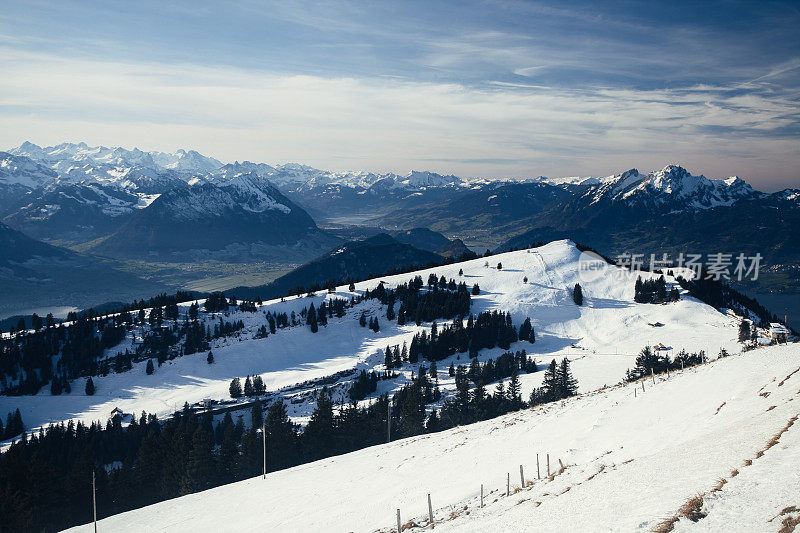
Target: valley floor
{"points": [[634, 454]]}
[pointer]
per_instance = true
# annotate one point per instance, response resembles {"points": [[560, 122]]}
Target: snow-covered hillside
{"points": [[633, 455], [602, 338]]}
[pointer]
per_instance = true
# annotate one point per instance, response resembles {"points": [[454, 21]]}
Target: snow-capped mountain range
{"points": [[74, 193]]}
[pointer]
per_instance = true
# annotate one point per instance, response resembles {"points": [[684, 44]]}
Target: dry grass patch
{"points": [[787, 377]]}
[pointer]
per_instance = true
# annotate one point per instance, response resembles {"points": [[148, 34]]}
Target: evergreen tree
{"points": [[452, 370], [476, 290], [351, 287], [248, 387], [744, 331], [149, 369], [514, 396], [550, 383], [257, 414], [235, 388], [577, 294], [210, 358], [311, 319], [362, 320], [567, 384], [89, 387], [499, 266]]}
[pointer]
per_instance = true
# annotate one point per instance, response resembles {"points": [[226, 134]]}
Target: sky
{"points": [[477, 89]]}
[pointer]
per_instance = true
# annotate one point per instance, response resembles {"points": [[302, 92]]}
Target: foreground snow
{"points": [[632, 459], [602, 337]]}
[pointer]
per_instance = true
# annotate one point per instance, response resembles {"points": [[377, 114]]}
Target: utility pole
{"points": [[264, 435], [388, 419], [94, 502]]}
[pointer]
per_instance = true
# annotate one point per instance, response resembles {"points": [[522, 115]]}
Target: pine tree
{"points": [[744, 331], [351, 287], [311, 319], [567, 384], [362, 320], [210, 358], [149, 369], [235, 388], [577, 294], [476, 290], [452, 370], [388, 359], [256, 414], [248, 387], [514, 395], [89, 387], [499, 266], [550, 383]]}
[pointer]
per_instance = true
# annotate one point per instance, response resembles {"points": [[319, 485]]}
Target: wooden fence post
{"points": [[538, 475], [430, 510], [508, 484], [548, 465], [562, 464], [399, 526], [521, 477], [481, 495]]}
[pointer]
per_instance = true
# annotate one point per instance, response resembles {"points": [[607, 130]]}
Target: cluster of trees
{"points": [[48, 474], [364, 385], [654, 291], [487, 330], [26, 359], [651, 361], [443, 299], [252, 387], [13, 427], [717, 294], [558, 384]]}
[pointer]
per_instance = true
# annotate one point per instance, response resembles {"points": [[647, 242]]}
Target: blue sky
{"points": [[496, 89]]}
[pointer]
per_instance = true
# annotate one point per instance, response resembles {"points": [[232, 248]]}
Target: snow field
{"points": [[602, 337], [631, 462]]}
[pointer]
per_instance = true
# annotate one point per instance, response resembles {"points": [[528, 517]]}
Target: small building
{"points": [[778, 332], [117, 412], [207, 403]]}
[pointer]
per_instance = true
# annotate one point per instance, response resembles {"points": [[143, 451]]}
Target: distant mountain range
{"points": [[183, 206]]}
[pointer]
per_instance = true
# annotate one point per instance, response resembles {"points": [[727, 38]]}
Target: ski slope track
{"points": [[631, 461]]}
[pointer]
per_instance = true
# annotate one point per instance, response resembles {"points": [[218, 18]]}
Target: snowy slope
{"points": [[602, 338], [633, 455]]}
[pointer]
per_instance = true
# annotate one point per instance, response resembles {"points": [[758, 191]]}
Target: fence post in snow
{"points": [[538, 475], [548, 465], [430, 510], [508, 484], [562, 464], [481, 495], [399, 527], [521, 477], [389, 420]]}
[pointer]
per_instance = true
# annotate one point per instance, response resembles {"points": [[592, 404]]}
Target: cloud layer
{"points": [[483, 99]]}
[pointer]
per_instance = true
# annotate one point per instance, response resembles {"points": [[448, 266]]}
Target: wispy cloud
{"points": [[495, 88]]}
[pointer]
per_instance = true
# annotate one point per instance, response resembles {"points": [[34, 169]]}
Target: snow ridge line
{"points": [[693, 508]]}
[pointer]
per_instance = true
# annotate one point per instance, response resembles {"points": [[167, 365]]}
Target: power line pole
{"points": [[264, 435], [94, 502], [388, 419]]}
